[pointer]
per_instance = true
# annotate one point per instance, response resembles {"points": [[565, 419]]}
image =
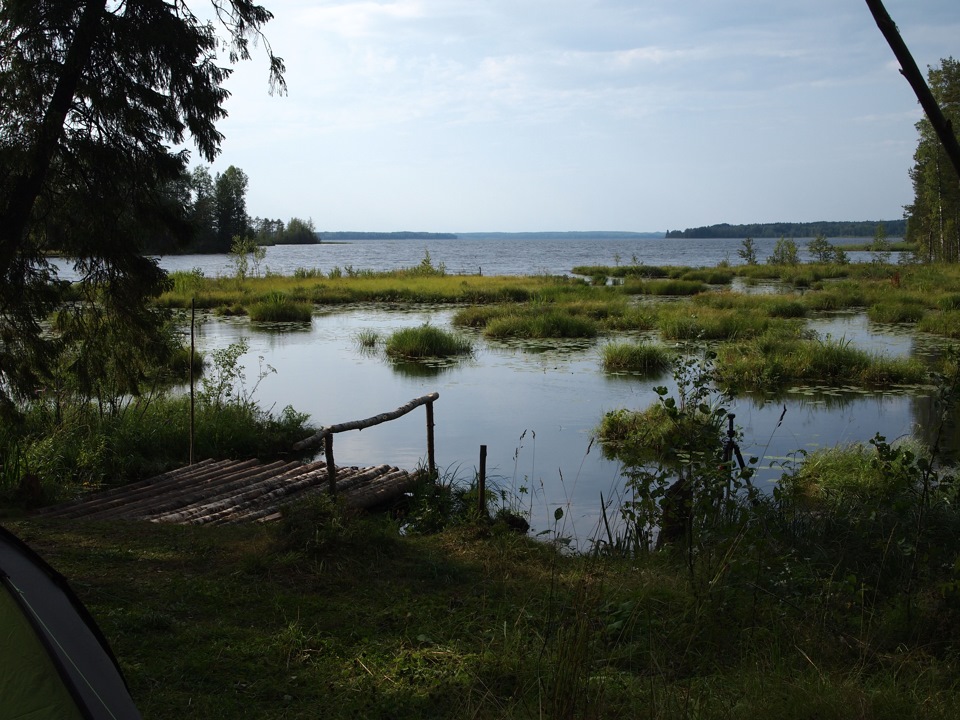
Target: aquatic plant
{"points": [[770, 361], [664, 287], [426, 341], [544, 322], [278, 308], [642, 358]]}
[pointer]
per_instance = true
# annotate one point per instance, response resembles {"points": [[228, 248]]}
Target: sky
{"points": [[578, 115]]}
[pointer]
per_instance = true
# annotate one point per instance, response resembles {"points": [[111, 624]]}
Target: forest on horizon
{"points": [[835, 229]]}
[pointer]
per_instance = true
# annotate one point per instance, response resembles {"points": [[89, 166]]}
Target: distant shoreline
{"points": [[830, 229], [344, 235]]}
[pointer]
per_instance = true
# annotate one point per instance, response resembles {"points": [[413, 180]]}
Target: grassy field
{"points": [[475, 621], [837, 596]]}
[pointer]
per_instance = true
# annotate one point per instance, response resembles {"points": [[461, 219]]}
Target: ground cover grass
{"points": [[346, 617], [396, 286]]}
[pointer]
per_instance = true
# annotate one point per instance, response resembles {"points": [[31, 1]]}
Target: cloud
{"points": [[577, 104]]}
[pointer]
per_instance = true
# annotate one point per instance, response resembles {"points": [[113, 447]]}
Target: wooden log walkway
{"points": [[230, 491]]}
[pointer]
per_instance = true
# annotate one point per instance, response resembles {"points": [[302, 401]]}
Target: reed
{"points": [[664, 287], [278, 308], [426, 341], [772, 362], [621, 271], [945, 324], [896, 312], [679, 322], [545, 323], [641, 358], [710, 276], [368, 339]]}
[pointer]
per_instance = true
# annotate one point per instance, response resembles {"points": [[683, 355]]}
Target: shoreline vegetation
{"points": [[837, 593]]}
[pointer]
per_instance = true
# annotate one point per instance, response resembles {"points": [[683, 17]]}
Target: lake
{"points": [[534, 405], [493, 257]]}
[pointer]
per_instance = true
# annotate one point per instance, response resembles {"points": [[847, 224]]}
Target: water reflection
{"points": [[535, 406], [423, 368]]}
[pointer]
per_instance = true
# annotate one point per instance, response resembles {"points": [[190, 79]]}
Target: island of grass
{"points": [[426, 341]]}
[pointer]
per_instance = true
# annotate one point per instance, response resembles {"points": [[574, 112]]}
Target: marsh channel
{"points": [[534, 405]]}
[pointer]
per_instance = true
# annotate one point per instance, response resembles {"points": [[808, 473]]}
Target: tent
{"points": [[54, 661]]}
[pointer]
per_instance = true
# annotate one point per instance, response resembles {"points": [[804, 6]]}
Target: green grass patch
{"points": [[710, 276], [621, 271], [540, 323], [946, 324], [654, 434], [278, 308], [769, 362], [426, 341], [368, 339], [684, 322], [88, 449], [644, 358], [665, 287], [813, 604], [898, 312]]}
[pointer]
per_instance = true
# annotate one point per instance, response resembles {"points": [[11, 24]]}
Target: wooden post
{"points": [[331, 468], [482, 483], [431, 459], [193, 314]]}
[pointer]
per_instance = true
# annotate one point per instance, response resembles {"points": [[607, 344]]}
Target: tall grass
{"points": [[544, 323], [946, 324], [664, 287], [641, 358], [681, 322], [278, 308], [426, 341], [899, 312], [770, 362]]}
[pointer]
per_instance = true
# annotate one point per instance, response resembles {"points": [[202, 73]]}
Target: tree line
{"points": [[933, 218], [213, 211], [867, 228]]}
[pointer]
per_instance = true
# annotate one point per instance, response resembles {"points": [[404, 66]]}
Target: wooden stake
{"points": [[482, 483]]}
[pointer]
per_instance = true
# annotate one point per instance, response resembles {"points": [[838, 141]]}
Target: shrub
{"points": [[784, 253]]}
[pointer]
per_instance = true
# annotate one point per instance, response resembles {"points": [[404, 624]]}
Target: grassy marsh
{"points": [[770, 362], [643, 358], [813, 608], [426, 341]]}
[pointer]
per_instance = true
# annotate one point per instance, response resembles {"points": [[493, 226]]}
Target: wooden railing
{"points": [[326, 433]]}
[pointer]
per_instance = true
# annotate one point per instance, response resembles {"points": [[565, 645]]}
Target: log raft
{"points": [[229, 491], [233, 492]]}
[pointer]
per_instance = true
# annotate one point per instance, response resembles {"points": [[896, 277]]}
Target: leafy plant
{"points": [[821, 249], [784, 253], [748, 251], [683, 490]]}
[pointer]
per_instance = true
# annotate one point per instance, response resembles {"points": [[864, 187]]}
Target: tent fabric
{"points": [[30, 686], [37, 602]]}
